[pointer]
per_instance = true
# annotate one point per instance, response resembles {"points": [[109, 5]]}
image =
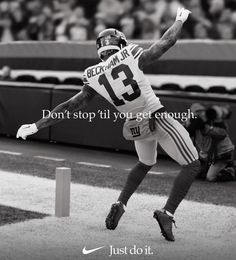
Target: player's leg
{"points": [[176, 141], [147, 153]]}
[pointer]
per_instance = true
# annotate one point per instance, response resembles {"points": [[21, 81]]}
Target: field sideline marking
{"points": [[151, 172], [49, 158], [156, 173], [9, 152], [95, 164]]}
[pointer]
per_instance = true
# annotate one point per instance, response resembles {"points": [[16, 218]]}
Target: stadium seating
{"points": [[233, 91], [194, 88], [170, 86], [26, 78], [50, 80], [217, 89], [73, 81]]}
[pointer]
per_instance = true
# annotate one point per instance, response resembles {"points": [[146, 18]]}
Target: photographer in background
{"points": [[209, 132]]}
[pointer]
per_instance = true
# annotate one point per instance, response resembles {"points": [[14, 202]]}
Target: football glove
{"points": [[26, 130], [182, 14]]}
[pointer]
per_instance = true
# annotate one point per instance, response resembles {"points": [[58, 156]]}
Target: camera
{"points": [[218, 113]]}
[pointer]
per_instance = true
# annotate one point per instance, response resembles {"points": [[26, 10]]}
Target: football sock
{"points": [[135, 177], [167, 212], [181, 185]]}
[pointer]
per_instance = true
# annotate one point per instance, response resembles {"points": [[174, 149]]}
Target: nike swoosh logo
{"points": [[86, 252]]}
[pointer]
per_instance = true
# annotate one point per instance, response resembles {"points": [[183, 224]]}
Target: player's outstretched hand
{"points": [[26, 130], [182, 14]]}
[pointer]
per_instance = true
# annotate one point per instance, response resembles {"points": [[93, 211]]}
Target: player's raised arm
{"points": [[167, 40], [77, 102]]}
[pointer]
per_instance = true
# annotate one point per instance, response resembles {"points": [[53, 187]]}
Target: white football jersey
{"points": [[120, 81]]}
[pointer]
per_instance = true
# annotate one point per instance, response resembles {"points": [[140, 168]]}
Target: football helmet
{"points": [[108, 40]]}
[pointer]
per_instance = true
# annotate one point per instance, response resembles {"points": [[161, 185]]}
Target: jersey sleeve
{"points": [[87, 85], [85, 80], [135, 50]]}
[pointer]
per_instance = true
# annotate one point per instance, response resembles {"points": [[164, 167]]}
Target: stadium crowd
{"points": [[75, 20]]}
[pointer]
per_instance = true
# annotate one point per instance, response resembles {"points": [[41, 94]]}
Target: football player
{"points": [[120, 79]]}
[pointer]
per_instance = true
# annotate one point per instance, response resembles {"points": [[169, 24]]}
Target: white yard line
{"points": [[95, 164], [49, 158], [160, 173], [151, 172], [9, 152], [156, 173]]}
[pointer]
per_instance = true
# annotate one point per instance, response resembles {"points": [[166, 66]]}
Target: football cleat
{"points": [[116, 212], [165, 222]]}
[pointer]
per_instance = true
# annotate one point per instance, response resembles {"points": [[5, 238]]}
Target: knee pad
{"points": [[144, 165], [149, 163]]}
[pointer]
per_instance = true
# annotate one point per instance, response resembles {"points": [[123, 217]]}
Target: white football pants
{"points": [[173, 138]]}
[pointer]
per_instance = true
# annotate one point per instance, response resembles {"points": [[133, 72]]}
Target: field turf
{"points": [[201, 191]]}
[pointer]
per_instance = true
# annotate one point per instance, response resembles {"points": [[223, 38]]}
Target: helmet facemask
{"points": [[104, 55]]}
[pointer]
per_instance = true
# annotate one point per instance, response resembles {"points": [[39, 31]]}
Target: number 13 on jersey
{"points": [[128, 81]]}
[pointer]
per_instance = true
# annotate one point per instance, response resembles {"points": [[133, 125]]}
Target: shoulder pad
{"points": [[135, 49]]}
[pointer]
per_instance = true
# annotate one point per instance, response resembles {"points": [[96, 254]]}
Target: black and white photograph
{"points": [[117, 129]]}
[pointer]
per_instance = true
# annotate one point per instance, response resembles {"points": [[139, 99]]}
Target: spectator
{"points": [[62, 12], [149, 25], [221, 19], [168, 17], [210, 135], [19, 20], [77, 26], [40, 24], [225, 30], [60, 25], [64, 20], [111, 11], [200, 31], [127, 19], [63, 6], [99, 24], [198, 25], [5, 22], [148, 30]]}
